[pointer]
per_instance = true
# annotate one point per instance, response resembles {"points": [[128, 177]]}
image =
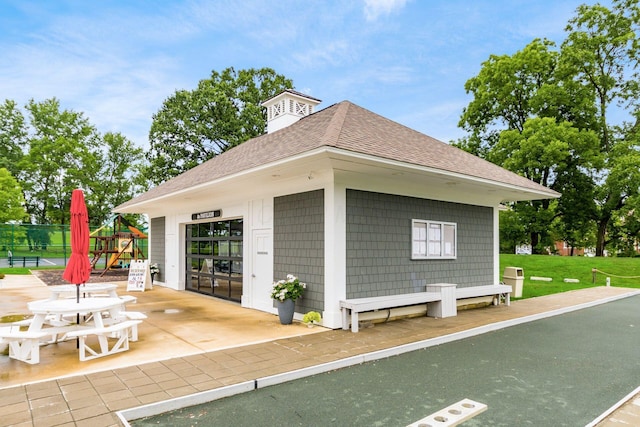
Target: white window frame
{"points": [[433, 240]]}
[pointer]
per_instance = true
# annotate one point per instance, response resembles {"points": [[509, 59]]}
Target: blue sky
{"points": [[117, 61]]}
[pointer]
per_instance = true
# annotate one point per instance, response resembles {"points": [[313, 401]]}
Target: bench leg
{"points": [[27, 350], [354, 321], [345, 319], [133, 335], [122, 344]]}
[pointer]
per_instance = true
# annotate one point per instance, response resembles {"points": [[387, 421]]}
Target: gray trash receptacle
{"points": [[514, 277]]}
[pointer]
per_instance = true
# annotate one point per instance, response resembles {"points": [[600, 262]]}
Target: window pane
{"points": [[449, 240], [435, 240], [236, 248], [419, 231], [205, 248], [204, 230], [221, 248], [236, 227], [221, 229]]}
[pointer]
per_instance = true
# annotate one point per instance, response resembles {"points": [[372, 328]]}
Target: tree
{"points": [[119, 180], [223, 111], [11, 200], [601, 53], [594, 72], [13, 135], [504, 94], [546, 152], [60, 158]]}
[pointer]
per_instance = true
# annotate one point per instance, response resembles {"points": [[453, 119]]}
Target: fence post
{"points": [[594, 274]]}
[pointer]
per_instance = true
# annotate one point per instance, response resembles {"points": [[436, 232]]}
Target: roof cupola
{"points": [[287, 108]]}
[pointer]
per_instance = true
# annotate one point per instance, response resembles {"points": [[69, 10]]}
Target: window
{"points": [[433, 239]]}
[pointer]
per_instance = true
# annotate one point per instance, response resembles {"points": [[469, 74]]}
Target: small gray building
{"points": [[352, 203]]}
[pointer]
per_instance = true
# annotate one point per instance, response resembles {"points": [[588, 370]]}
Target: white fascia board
{"points": [[550, 194], [340, 154], [135, 208]]}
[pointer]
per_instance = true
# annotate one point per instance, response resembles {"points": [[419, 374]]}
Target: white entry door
{"points": [[262, 266]]}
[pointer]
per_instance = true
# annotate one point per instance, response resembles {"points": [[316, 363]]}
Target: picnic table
{"points": [[62, 319]]}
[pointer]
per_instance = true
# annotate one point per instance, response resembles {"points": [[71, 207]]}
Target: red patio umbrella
{"points": [[78, 268]]}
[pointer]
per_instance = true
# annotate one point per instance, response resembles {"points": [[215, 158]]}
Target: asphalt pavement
{"points": [[559, 371]]}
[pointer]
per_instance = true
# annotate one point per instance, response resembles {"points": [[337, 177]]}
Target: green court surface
{"points": [[560, 371]]}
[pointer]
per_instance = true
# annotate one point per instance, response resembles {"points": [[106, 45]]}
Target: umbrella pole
{"points": [[77, 314]]}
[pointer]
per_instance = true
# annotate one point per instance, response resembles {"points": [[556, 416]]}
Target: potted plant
{"points": [[311, 318], [154, 269], [285, 293]]}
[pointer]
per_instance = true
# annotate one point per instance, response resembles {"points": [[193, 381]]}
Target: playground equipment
{"points": [[119, 248]]}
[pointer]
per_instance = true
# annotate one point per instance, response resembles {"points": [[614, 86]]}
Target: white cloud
{"points": [[374, 8]]}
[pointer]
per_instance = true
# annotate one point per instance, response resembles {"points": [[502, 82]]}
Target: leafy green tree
{"points": [[222, 112], [595, 71], [121, 163], [505, 93], [60, 158], [601, 52], [11, 200], [548, 153], [576, 210], [512, 231], [13, 135]]}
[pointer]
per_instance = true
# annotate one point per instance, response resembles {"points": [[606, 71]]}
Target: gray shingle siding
{"points": [[379, 245], [298, 244], [156, 244]]}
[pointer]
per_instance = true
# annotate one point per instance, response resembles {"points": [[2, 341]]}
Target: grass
{"points": [[623, 272], [27, 270]]}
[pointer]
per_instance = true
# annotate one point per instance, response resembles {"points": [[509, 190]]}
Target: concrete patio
{"points": [[192, 343]]}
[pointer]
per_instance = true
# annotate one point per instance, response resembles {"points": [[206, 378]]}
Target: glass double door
{"points": [[214, 258]]}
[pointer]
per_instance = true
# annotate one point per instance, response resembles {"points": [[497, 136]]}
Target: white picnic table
{"points": [[87, 289], [59, 319]]}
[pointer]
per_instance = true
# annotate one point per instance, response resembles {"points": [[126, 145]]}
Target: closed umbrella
{"points": [[78, 268]]}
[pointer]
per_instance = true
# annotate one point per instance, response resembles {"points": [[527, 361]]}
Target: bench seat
{"points": [[121, 331], [23, 345], [497, 291], [358, 305]]}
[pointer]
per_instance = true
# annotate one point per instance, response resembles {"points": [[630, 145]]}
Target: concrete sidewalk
{"points": [[192, 343]]}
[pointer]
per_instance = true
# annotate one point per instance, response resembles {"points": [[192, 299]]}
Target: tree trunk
{"points": [[601, 236], [535, 239]]}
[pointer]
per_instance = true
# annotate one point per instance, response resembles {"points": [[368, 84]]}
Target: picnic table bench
{"points": [[23, 345], [24, 259], [121, 331]]}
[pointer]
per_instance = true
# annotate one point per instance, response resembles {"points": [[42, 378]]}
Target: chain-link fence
{"points": [[47, 241]]}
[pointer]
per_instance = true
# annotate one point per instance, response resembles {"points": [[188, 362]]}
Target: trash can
{"points": [[514, 277]]}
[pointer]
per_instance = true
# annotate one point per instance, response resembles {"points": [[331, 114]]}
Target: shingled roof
{"points": [[351, 128]]}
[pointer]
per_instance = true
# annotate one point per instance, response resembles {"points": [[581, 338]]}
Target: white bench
{"points": [[133, 315], [497, 291], [23, 345], [122, 331], [359, 305]]}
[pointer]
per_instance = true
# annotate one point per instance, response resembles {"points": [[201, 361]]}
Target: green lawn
{"points": [[623, 272]]}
